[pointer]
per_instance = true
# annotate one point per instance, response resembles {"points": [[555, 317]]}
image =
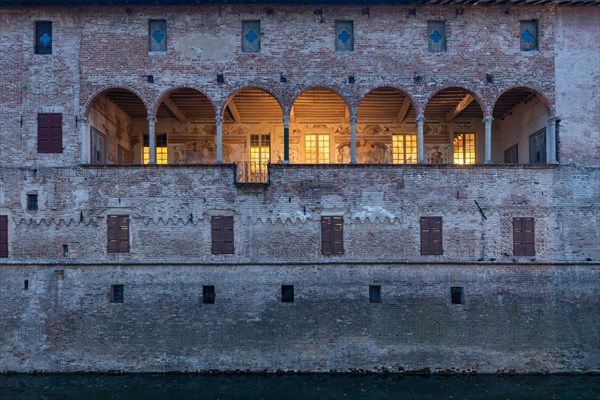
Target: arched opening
{"points": [[386, 130], [185, 129], [453, 132], [319, 128], [520, 131], [113, 121], [252, 133]]}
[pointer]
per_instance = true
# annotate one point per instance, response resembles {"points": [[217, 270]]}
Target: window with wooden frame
{"points": [[98, 146], [464, 148], [332, 235], [523, 236], [511, 155], [431, 236], [43, 37], [260, 154], [118, 233], [537, 147], [404, 149], [222, 235], [49, 133], [317, 149], [161, 149], [3, 236]]}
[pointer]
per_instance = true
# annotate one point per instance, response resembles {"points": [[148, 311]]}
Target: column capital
{"points": [[488, 119], [82, 118], [553, 119], [420, 119], [219, 120], [151, 119], [353, 119], [286, 120]]}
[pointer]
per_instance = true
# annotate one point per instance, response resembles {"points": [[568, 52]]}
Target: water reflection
{"points": [[298, 387]]}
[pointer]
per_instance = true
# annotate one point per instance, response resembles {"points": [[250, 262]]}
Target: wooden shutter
{"points": [[3, 236], [49, 133], [523, 237], [222, 235], [118, 233], [436, 34], [431, 236], [332, 235]]}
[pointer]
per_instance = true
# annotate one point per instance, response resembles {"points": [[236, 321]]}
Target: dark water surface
{"points": [[298, 387]]}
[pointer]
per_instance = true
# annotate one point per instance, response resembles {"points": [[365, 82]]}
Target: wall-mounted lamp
{"points": [[220, 78], [366, 11], [150, 78], [489, 78], [460, 11], [411, 12], [417, 78], [270, 11], [351, 79], [282, 78]]}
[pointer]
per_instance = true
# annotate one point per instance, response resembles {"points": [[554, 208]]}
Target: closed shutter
{"points": [[3, 236], [332, 235], [49, 133], [431, 236], [222, 235], [523, 237], [118, 233]]}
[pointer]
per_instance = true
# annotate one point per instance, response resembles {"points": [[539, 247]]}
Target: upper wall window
{"points": [[118, 233], [537, 147], [332, 235], [523, 237], [344, 36], [43, 37], [49, 133], [251, 36], [431, 236], [436, 32], [529, 35], [3, 236], [222, 235], [157, 35]]}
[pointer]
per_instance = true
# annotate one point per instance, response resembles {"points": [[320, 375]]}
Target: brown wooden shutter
{"points": [[3, 236], [123, 234], [523, 237], [326, 245], [49, 133], [222, 235], [112, 233], [43, 133], [431, 236], [332, 235]]}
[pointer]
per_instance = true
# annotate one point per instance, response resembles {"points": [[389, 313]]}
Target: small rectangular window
{"points": [[457, 295], [49, 133], [161, 149], [537, 147], [317, 149], [374, 294], [523, 237], [528, 33], [464, 148], [332, 235], [43, 37], [157, 35], [511, 155], [3, 236], [250, 36], [98, 143], [431, 236], [118, 233], [436, 32], [404, 149], [344, 36], [116, 293], [222, 235], [208, 294], [32, 202], [287, 293]]}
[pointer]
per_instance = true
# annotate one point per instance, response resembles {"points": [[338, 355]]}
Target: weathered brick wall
{"points": [[514, 319], [170, 210]]}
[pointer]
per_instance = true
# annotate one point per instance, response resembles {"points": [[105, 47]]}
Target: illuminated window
{"points": [[317, 149], [464, 148], [404, 149], [161, 149], [260, 153]]}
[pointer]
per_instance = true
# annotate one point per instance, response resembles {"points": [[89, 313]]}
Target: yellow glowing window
{"points": [[317, 149], [404, 149], [161, 150], [464, 148], [260, 153]]}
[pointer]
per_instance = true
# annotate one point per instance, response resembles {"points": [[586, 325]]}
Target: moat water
{"points": [[298, 387]]}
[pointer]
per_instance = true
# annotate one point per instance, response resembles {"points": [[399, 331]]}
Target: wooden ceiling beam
{"points": [[464, 103], [234, 112], [403, 110], [175, 110]]}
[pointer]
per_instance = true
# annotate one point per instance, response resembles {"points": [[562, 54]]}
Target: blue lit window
{"points": [[43, 37]]}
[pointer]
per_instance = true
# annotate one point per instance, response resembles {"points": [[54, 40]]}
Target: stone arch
{"points": [[478, 97], [550, 108], [403, 90], [165, 93], [239, 88], [85, 109], [333, 89]]}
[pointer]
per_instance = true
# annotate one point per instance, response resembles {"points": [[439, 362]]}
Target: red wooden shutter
{"points": [[227, 235], [3, 236], [326, 229], [112, 233], [55, 133], [43, 133], [123, 234], [222, 235], [338, 235], [528, 237], [431, 236]]}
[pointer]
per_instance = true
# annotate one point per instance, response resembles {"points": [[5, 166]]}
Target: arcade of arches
{"points": [[254, 132]]}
